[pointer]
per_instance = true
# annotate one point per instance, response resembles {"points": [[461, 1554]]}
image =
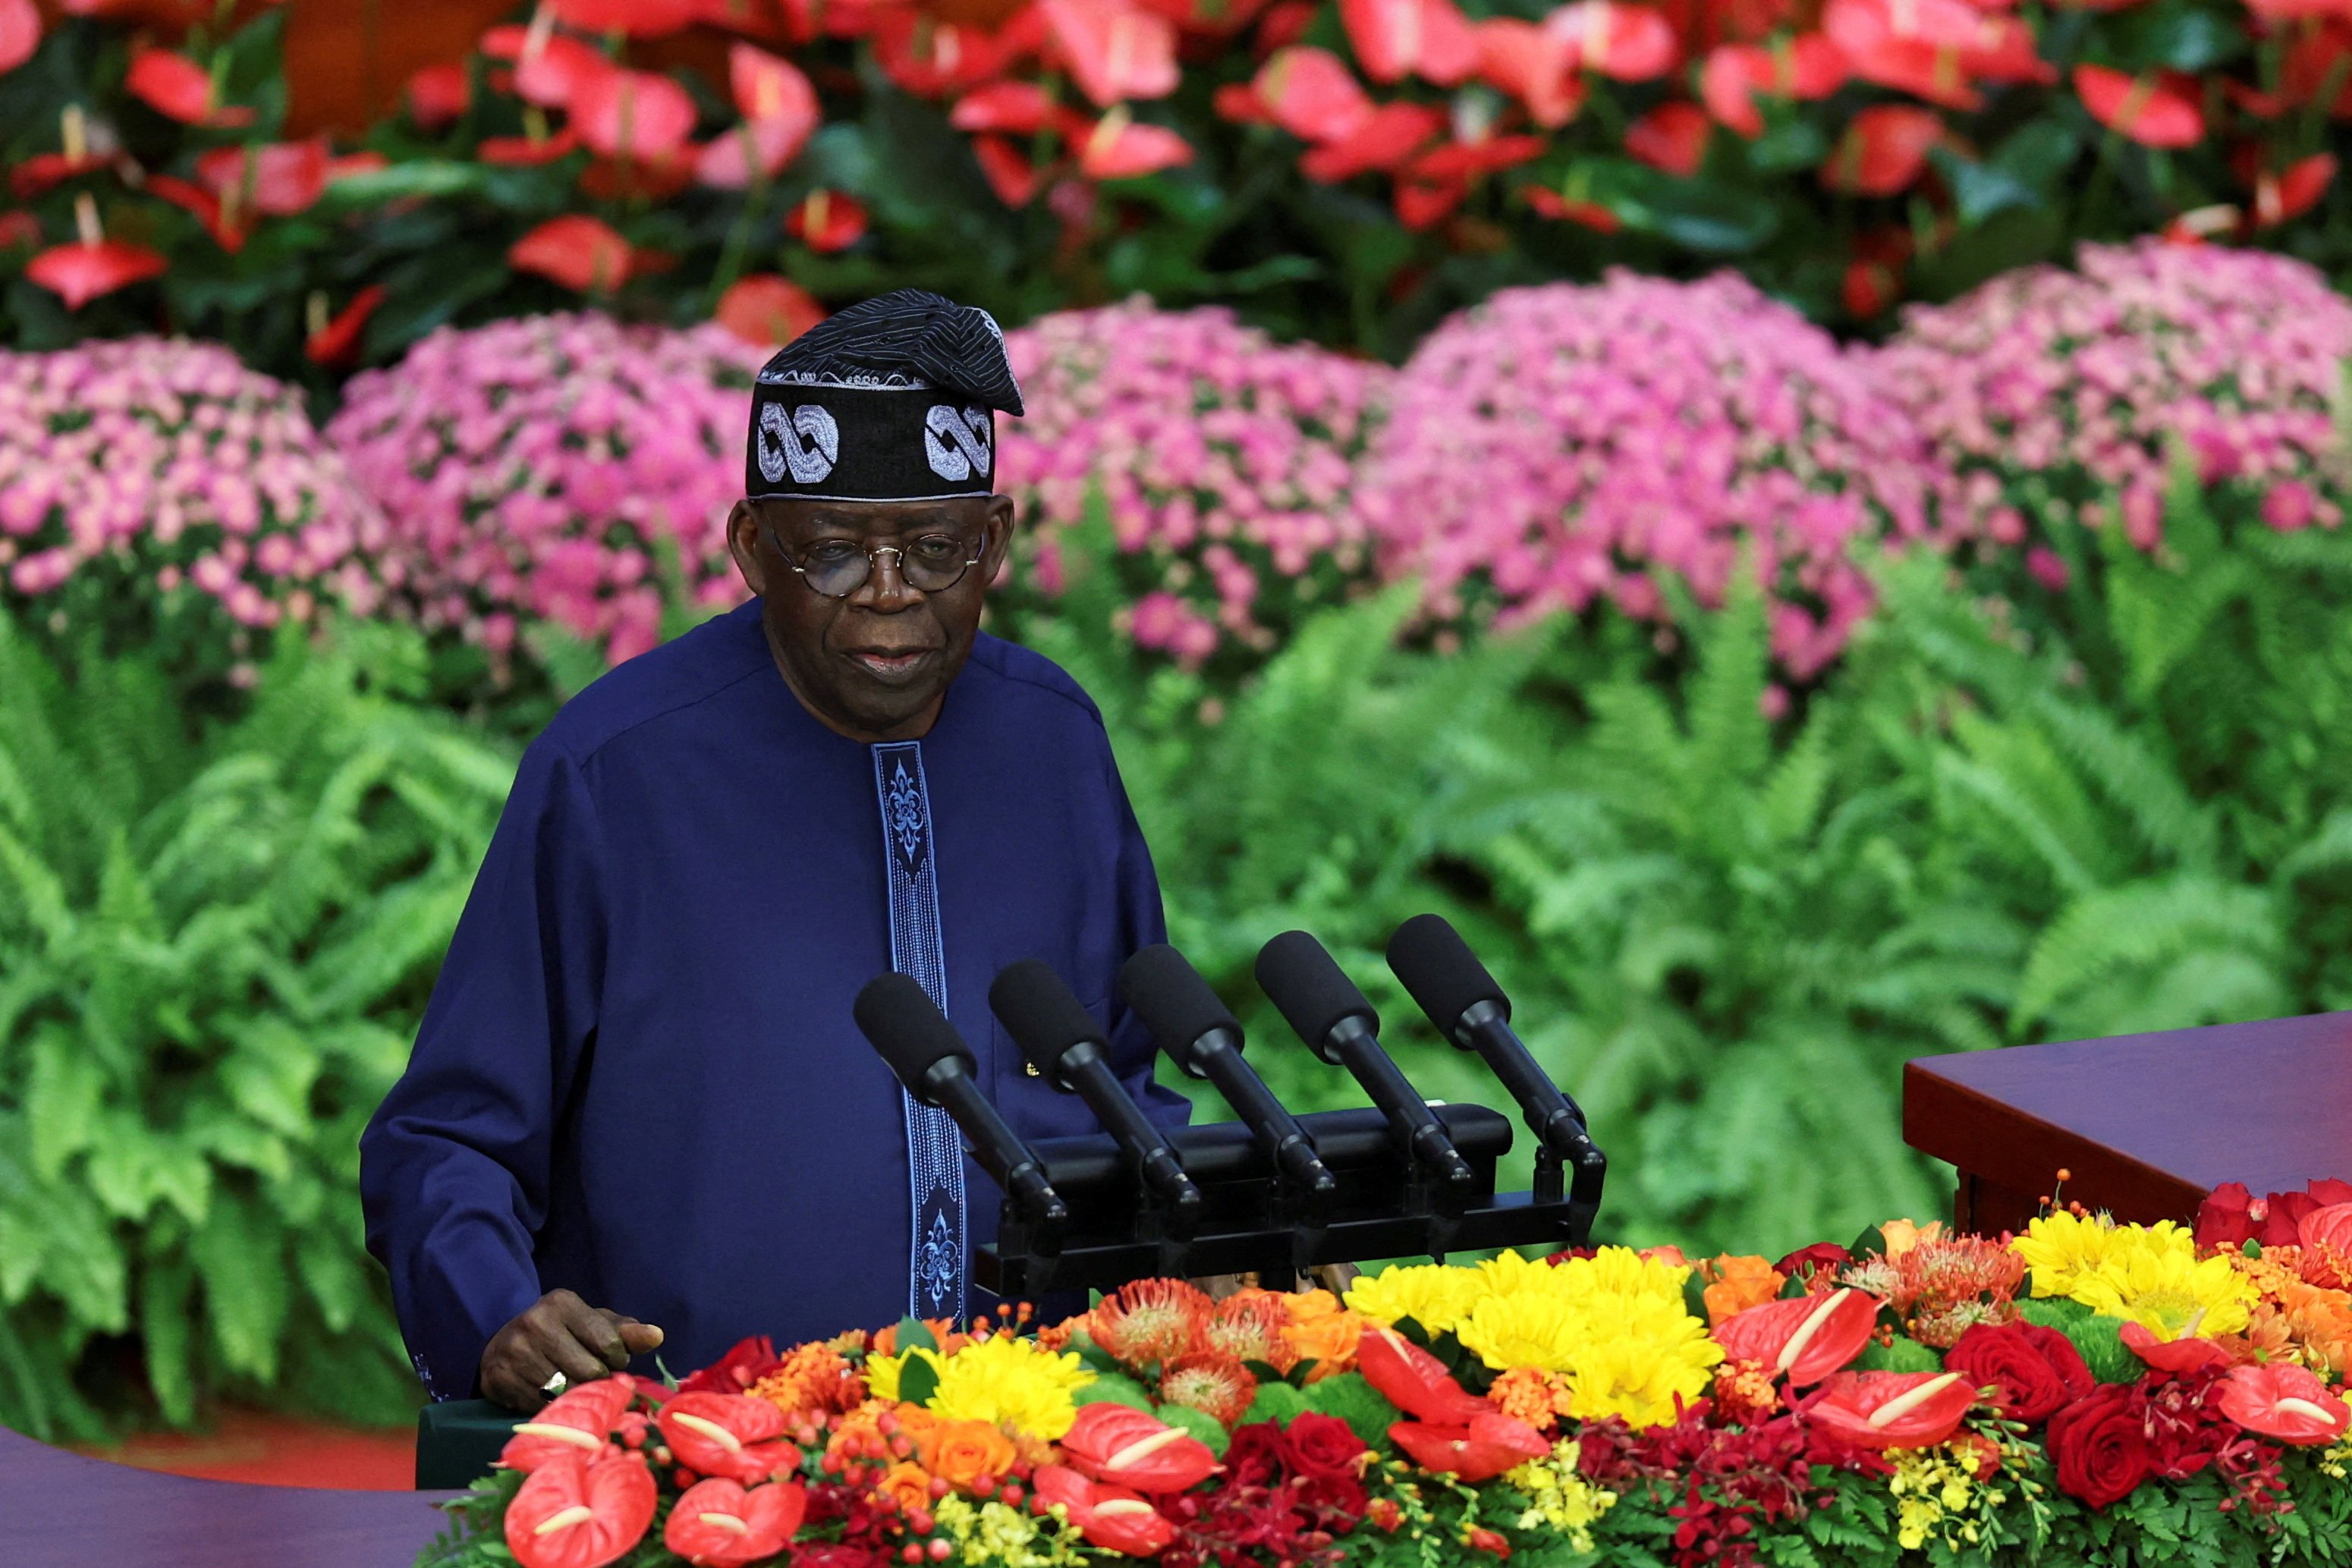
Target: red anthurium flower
{"points": [[45, 172], [193, 198], [1112, 1518], [2161, 110], [176, 88], [827, 221], [1891, 1409], [928, 57], [767, 309], [1238, 101], [1022, 108], [730, 1435], [1114, 50], [1533, 64], [20, 230], [726, 160], [1628, 43], [768, 88], [437, 95], [279, 179], [1396, 38], [337, 341], [1385, 140], [1873, 279], [2293, 191], [2285, 1402], [79, 273], [1007, 170], [579, 1421], [2198, 224], [549, 69], [1307, 93], [1414, 1381], [525, 151], [1672, 137], [20, 33], [343, 165], [576, 1513], [1119, 149], [1884, 150], [720, 1525], [1422, 205], [632, 114], [576, 251], [634, 18], [1807, 1338], [1469, 160], [1490, 1444], [1804, 67], [1131, 1447], [2183, 1354], [1545, 201]]}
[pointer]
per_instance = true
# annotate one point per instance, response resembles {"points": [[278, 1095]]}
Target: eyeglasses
{"points": [[932, 563]]}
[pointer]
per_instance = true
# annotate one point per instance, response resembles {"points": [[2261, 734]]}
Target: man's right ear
{"points": [[743, 544]]}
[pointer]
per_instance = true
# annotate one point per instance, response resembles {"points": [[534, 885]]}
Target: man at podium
{"points": [[637, 1097]]}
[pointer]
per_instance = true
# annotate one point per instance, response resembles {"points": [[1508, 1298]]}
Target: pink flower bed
{"points": [[532, 468], [1224, 458], [2060, 394], [1559, 445], [198, 484]]}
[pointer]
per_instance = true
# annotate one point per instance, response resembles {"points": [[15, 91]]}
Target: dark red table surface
{"points": [[2146, 1123], [63, 1510]]}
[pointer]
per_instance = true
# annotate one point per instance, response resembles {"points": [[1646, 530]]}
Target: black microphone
{"points": [[1335, 1021], [923, 1050], [1055, 1030], [1470, 1009], [1200, 1036]]}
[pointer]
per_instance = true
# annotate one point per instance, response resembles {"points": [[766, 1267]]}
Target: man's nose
{"points": [[886, 587]]}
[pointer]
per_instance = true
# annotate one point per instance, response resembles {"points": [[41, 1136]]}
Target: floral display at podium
{"points": [[2083, 1393]]}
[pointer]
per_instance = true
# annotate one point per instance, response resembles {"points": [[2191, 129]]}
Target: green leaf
{"points": [[918, 1380], [1116, 1389], [1276, 1402], [1199, 1424], [238, 1254], [916, 1334], [165, 1319], [1696, 214]]}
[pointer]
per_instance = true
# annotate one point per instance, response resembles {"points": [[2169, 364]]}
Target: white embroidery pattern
{"points": [[968, 429], [782, 447]]}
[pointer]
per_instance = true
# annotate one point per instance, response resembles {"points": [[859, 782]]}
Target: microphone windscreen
{"points": [[907, 1029], [1441, 972], [1308, 987], [1042, 1016], [1173, 1001]]}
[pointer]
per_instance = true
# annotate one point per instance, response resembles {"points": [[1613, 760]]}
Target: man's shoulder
{"points": [[1026, 677], [679, 676]]}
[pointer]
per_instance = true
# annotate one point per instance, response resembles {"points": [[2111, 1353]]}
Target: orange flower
{"points": [[905, 1486], [961, 1452], [1529, 1394], [2326, 1237], [1147, 1322], [813, 1381], [1735, 1284], [885, 1341], [2320, 1321], [1321, 1330], [1248, 1326]]}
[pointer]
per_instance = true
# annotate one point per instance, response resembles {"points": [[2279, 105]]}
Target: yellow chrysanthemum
{"points": [[1008, 1380], [2064, 1249], [1636, 1356], [2172, 1295], [1620, 1272], [882, 1372], [1434, 1295], [1524, 1329], [1508, 1274]]}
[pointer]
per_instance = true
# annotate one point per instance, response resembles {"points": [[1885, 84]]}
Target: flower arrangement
{"points": [[2087, 1392], [539, 468], [1559, 446], [153, 487], [1223, 459], [2064, 399]]}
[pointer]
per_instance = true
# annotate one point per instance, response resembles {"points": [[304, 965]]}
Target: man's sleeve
{"points": [[453, 1165], [1141, 922]]}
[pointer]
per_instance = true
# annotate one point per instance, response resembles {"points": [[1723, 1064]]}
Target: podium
{"points": [[458, 1441], [2147, 1124]]}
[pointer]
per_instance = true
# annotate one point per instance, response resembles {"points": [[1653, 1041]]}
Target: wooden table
{"points": [[63, 1510], [2146, 1124]]}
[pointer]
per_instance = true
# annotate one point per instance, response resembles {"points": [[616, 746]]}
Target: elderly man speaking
{"points": [[638, 1098]]}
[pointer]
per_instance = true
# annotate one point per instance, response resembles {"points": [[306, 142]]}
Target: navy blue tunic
{"points": [[638, 1077]]}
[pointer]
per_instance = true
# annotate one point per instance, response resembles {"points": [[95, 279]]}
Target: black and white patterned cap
{"points": [[891, 399]]}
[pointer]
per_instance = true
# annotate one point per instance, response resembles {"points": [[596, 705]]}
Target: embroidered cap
{"points": [[891, 399]]}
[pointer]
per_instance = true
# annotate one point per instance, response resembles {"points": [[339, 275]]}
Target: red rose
{"points": [[2099, 1445], [2031, 1370], [1823, 1258], [1321, 1448], [1255, 1456]]}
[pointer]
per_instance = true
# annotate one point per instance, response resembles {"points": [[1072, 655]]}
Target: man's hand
{"points": [[559, 1333]]}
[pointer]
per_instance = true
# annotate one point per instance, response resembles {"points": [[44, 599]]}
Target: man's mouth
{"points": [[893, 664]]}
